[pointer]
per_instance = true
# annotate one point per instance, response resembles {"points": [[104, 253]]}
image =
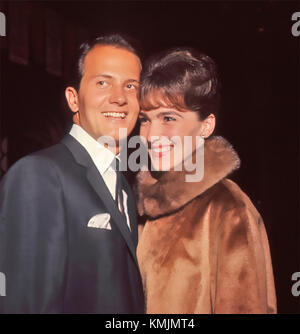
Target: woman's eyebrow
{"points": [[161, 114], [143, 114], [167, 113]]}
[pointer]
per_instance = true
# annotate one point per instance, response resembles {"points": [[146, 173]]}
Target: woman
{"points": [[203, 248]]}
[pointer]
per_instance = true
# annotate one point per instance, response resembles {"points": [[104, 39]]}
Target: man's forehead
{"points": [[107, 60]]}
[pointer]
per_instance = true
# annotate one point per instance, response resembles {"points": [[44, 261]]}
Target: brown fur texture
{"points": [[204, 247]]}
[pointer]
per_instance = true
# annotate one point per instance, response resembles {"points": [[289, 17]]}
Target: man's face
{"points": [[108, 94]]}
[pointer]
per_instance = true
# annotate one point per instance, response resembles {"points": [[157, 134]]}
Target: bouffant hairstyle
{"points": [[180, 78]]}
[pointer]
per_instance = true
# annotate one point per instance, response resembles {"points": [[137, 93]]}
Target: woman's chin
{"points": [[166, 161], [159, 165]]}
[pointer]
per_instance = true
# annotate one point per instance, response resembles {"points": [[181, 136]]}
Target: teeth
{"points": [[161, 149], [115, 114]]}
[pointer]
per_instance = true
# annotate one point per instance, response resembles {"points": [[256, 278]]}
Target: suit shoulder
{"points": [[50, 153], [38, 163]]}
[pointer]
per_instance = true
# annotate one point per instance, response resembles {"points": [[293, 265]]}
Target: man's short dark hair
{"points": [[182, 78], [115, 40]]}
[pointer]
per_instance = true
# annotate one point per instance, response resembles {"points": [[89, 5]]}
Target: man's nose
{"points": [[118, 96]]}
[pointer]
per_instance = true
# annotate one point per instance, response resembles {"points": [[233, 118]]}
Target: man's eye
{"points": [[131, 86], [102, 83]]}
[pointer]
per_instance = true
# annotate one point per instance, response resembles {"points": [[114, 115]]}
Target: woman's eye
{"points": [[142, 120], [169, 119]]}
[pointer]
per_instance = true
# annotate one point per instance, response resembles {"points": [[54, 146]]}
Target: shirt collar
{"points": [[101, 156]]}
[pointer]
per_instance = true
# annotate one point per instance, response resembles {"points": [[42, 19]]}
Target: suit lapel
{"points": [[97, 183], [132, 210]]}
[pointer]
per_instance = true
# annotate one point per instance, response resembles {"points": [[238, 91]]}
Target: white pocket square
{"points": [[100, 221]]}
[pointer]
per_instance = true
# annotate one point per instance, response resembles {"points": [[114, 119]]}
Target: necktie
{"points": [[119, 193]]}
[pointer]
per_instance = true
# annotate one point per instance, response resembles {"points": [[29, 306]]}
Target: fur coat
{"points": [[203, 248]]}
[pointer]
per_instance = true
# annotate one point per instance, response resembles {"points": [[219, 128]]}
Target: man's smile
{"points": [[115, 115]]}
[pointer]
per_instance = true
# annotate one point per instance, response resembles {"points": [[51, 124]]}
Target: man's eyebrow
{"points": [[133, 80], [107, 76]]}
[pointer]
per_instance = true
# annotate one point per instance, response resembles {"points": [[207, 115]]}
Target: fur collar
{"points": [[169, 192]]}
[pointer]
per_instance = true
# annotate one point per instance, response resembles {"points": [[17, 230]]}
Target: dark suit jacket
{"points": [[53, 262]]}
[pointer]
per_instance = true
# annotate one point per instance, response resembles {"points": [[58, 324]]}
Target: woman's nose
{"points": [[150, 131], [157, 135]]}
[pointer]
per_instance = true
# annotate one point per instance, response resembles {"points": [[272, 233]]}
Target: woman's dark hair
{"points": [[115, 40], [181, 78]]}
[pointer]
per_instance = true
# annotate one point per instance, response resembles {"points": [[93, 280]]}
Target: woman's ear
{"points": [[208, 126], [72, 99]]}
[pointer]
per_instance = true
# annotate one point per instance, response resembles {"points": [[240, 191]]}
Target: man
{"points": [[68, 235]]}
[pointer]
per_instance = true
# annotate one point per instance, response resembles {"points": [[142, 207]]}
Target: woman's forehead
{"points": [[159, 98]]}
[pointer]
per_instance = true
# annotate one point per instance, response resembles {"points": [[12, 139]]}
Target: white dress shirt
{"points": [[103, 159]]}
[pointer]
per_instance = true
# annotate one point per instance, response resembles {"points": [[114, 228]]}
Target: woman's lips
{"points": [[160, 151]]}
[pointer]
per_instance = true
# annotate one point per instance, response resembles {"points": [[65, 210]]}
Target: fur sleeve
{"points": [[243, 280]]}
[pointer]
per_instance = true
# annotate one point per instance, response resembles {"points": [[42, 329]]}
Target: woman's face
{"points": [[171, 135]]}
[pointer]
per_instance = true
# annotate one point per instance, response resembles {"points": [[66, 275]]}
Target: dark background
{"points": [[258, 61]]}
